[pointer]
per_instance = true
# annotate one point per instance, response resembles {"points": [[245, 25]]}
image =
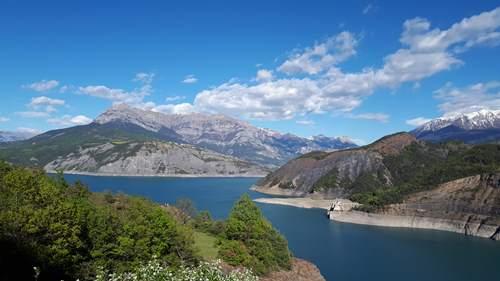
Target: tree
{"points": [[251, 240], [187, 208]]}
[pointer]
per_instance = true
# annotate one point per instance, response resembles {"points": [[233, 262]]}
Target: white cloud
{"points": [[321, 56], [468, 99], [30, 131], [368, 8], [419, 121], [264, 75], [68, 120], [305, 122], [117, 96], [181, 108], [42, 86], [33, 114], [174, 98], [324, 87], [44, 103], [64, 89], [190, 79], [146, 78], [379, 117], [43, 100], [4, 119], [476, 30]]}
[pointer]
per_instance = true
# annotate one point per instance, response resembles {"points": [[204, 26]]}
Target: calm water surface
{"points": [[342, 251]]}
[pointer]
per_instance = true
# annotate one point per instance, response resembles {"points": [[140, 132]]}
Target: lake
{"points": [[342, 251]]}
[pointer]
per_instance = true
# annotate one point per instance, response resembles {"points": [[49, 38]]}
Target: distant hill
{"points": [[131, 141], [477, 127], [6, 136], [382, 172]]}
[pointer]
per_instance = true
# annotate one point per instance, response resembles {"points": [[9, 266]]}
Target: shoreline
{"points": [[417, 222], [470, 228], [155, 175], [305, 203]]}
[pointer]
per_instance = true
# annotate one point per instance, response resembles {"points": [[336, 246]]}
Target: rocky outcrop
{"points": [[470, 206], [329, 174], [301, 271], [152, 159]]}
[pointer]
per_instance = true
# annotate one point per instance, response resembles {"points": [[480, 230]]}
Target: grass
{"points": [[205, 244]]}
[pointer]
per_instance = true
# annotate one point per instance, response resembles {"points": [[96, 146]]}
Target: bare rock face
{"points": [[153, 159], [301, 271], [472, 202], [225, 135], [300, 176]]}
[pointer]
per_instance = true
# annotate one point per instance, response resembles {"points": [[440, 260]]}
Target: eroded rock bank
{"points": [[470, 206], [302, 270]]}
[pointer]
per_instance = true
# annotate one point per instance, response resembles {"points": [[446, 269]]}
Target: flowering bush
{"points": [[154, 271]]}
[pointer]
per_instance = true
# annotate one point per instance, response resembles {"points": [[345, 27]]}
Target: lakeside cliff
{"points": [[399, 181]]}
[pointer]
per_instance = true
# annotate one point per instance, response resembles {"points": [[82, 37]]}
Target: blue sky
{"points": [[362, 69]]}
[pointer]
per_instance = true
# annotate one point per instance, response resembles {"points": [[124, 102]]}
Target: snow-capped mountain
{"points": [[474, 127], [224, 134], [6, 136]]}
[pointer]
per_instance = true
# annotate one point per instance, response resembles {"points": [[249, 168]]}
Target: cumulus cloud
{"points": [[68, 120], [42, 86], [174, 98], [305, 122], [419, 121], [117, 96], [455, 100], [181, 108], [322, 55], [190, 79], [43, 100], [30, 131], [322, 86], [368, 8], [264, 75], [46, 104], [379, 117], [146, 78], [4, 119]]}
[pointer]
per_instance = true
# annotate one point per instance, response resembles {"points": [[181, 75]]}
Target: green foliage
{"points": [[206, 245], [69, 232], [329, 180], [187, 208], [251, 241], [156, 271], [422, 166]]}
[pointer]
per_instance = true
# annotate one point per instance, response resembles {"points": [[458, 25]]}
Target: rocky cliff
{"points": [[335, 174], [470, 206], [152, 159]]}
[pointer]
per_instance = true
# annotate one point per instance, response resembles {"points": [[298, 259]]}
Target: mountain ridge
{"points": [[226, 135]]}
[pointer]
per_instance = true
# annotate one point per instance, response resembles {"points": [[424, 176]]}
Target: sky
{"points": [[362, 69]]}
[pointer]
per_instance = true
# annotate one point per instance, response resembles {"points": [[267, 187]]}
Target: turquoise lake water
{"points": [[342, 251]]}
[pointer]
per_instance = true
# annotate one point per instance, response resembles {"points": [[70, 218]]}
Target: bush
{"points": [[68, 232], [155, 271], [250, 240]]}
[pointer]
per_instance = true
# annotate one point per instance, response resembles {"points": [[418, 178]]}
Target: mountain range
{"points": [[476, 127], [7, 136], [132, 141]]}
